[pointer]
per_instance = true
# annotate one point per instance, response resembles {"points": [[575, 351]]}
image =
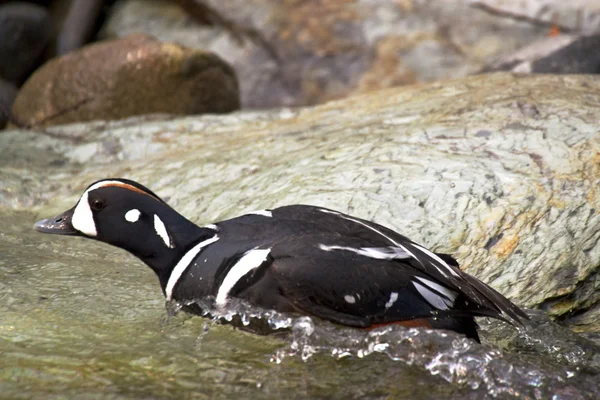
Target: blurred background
{"points": [[66, 61]]}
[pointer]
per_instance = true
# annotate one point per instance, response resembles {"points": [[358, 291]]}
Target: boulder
{"points": [[580, 16], [8, 92], [561, 54], [24, 33], [332, 49], [501, 170], [120, 78]]}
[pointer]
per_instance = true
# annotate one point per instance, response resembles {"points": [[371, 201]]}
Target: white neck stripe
{"points": [[183, 263], [251, 260]]}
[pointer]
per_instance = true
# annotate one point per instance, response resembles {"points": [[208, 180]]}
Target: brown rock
{"points": [[130, 76], [329, 49]]}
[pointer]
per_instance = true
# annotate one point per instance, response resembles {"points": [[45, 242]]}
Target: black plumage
{"points": [[297, 258]]}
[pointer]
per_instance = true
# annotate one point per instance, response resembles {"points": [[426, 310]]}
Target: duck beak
{"points": [[59, 225]]}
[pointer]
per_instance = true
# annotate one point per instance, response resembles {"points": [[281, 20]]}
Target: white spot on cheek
{"points": [[349, 299], [161, 230], [83, 219], [132, 215]]}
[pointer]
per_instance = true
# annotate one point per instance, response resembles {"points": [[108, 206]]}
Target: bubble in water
{"points": [[536, 362]]}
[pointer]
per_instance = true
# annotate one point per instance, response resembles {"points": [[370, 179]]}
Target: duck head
{"points": [[127, 215]]}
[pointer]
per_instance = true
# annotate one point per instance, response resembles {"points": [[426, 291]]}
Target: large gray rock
{"points": [[502, 171], [332, 49]]}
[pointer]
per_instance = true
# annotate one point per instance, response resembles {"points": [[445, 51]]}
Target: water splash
{"points": [[542, 360], [237, 313]]}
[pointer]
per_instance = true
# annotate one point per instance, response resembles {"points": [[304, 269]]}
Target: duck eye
{"points": [[97, 205]]}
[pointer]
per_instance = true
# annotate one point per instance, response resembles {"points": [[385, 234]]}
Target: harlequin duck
{"points": [[298, 258]]}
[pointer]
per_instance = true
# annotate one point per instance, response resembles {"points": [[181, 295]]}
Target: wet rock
{"points": [[24, 34], [78, 25], [332, 49], [572, 16], [564, 54], [8, 92], [500, 170], [130, 76]]}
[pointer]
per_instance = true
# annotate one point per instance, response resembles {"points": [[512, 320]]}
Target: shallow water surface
{"points": [[79, 319]]}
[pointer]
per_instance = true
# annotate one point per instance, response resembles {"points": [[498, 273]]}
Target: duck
{"points": [[299, 259]]}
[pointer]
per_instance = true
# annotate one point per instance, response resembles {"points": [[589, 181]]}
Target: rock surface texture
{"points": [[501, 170], [125, 77], [329, 49], [561, 54]]}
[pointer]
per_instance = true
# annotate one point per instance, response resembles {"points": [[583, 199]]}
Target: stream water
{"points": [[79, 319]]}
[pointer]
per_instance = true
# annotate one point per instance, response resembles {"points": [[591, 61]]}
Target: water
{"points": [[79, 319]]}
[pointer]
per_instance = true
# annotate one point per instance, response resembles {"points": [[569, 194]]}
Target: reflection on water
{"points": [[81, 320]]}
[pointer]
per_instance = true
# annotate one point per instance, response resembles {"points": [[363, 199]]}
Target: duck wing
{"points": [[440, 269]]}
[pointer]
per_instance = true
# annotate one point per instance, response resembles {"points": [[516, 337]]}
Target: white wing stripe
{"points": [[449, 294], [363, 224], [378, 253], [264, 213], [427, 252], [436, 258], [183, 263], [251, 260], [433, 298]]}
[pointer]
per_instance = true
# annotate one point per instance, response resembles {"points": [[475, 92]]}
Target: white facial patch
{"points": [[250, 261], [185, 262], [83, 219], [132, 215], [161, 230]]}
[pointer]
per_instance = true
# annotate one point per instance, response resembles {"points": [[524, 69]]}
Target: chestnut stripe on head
{"points": [[83, 218], [123, 185]]}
